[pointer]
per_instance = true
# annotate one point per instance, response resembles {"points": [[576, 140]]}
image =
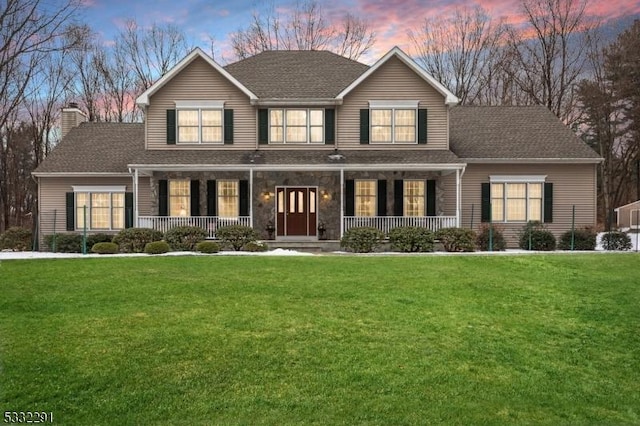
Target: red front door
{"points": [[296, 212]]}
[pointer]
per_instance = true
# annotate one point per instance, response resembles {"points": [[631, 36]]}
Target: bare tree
{"points": [[305, 28]]}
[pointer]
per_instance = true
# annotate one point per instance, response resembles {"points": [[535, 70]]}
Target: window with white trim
{"points": [[393, 121], [179, 198], [414, 197], [228, 198], [296, 126], [100, 208], [517, 199], [365, 197], [199, 122]]}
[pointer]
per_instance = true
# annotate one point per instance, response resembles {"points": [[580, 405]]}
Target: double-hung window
{"points": [[179, 197], [199, 122], [414, 197], [516, 198], [393, 122], [365, 197], [99, 208], [295, 126], [228, 198]]}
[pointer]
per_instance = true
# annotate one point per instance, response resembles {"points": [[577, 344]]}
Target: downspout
{"points": [[341, 203], [459, 174], [135, 197], [251, 197]]}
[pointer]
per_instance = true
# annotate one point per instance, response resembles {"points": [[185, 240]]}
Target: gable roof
{"points": [[514, 133], [318, 74], [95, 148], [143, 99], [449, 98]]}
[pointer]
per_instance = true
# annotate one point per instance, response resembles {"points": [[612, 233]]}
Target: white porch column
{"points": [[135, 197], [458, 197], [341, 202], [251, 198]]}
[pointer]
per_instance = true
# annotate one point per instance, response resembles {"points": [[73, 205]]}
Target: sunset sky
{"points": [[390, 19]]}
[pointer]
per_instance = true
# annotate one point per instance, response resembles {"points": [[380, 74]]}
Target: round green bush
{"points": [[184, 238], [457, 239], [236, 236], [208, 247], [361, 239], [16, 239], [157, 247], [255, 246], [616, 240], [411, 239], [534, 236], [498, 242], [105, 248], [583, 239], [134, 240]]}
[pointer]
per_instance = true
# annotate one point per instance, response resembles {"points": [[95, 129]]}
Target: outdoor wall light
{"points": [[267, 195], [324, 194]]}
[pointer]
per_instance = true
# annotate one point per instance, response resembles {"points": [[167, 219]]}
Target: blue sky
{"points": [[390, 19]]}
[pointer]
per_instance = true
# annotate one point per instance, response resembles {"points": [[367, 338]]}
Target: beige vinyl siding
{"points": [[393, 81], [144, 196], [198, 81], [448, 186], [625, 214], [573, 184]]}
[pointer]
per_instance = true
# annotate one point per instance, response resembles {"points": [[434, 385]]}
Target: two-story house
{"points": [[294, 141]]}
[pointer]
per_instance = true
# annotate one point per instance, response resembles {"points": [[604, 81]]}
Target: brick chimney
{"points": [[72, 116]]}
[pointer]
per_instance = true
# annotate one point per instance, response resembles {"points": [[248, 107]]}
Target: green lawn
{"points": [[539, 339]]}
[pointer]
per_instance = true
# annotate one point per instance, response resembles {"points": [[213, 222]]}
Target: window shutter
{"points": [[128, 209], [163, 197], [485, 207], [228, 126], [548, 202], [382, 197], [212, 200], [171, 127], [195, 198], [349, 197], [263, 126], [422, 126], [244, 197], [431, 197], [329, 126], [71, 211], [398, 197], [364, 126]]}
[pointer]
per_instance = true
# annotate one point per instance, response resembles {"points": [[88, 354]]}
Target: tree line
{"points": [[556, 58]]}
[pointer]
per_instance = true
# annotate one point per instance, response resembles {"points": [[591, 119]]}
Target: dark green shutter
{"points": [[431, 197], [163, 198], [228, 126], [382, 197], [244, 197], [171, 127], [128, 209], [71, 211], [195, 198], [364, 126], [398, 197], [329, 126], [349, 197], [485, 207], [422, 126], [548, 202], [212, 200], [263, 126]]}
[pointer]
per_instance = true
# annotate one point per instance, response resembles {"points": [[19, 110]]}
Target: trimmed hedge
{"points": [[583, 239], [255, 246], [184, 238], [134, 240], [457, 239], [534, 236], [16, 239], [208, 247], [157, 247], [105, 248], [411, 239], [616, 240], [236, 236], [497, 238], [362, 239]]}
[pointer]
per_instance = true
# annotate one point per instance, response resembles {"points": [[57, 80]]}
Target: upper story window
{"points": [[200, 122], [393, 122], [296, 126]]}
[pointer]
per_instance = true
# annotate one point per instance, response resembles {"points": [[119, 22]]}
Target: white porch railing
{"points": [[387, 223], [208, 223]]}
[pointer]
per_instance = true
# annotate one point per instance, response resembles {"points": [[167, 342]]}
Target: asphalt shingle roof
{"points": [[296, 74]]}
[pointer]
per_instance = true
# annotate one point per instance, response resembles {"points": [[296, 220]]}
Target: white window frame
{"points": [[170, 198], [308, 126], [393, 106], [220, 197], [96, 189], [528, 180], [405, 197], [373, 199], [199, 107]]}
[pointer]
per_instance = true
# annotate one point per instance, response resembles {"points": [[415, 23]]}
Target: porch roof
{"points": [[318, 159]]}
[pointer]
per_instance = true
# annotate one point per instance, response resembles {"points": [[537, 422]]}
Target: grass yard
{"points": [[538, 339]]}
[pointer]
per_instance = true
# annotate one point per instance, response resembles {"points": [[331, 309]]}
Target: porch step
{"points": [[306, 246]]}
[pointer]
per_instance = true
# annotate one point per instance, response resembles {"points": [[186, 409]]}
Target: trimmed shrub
{"points": [[362, 239], [236, 236], [583, 239], [497, 238], [255, 246], [64, 243], [616, 240], [540, 238], [105, 248], [16, 239], [184, 238], [411, 239], [457, 239], [98, 238], [157, 247], [134, 240], [208, 247]]}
